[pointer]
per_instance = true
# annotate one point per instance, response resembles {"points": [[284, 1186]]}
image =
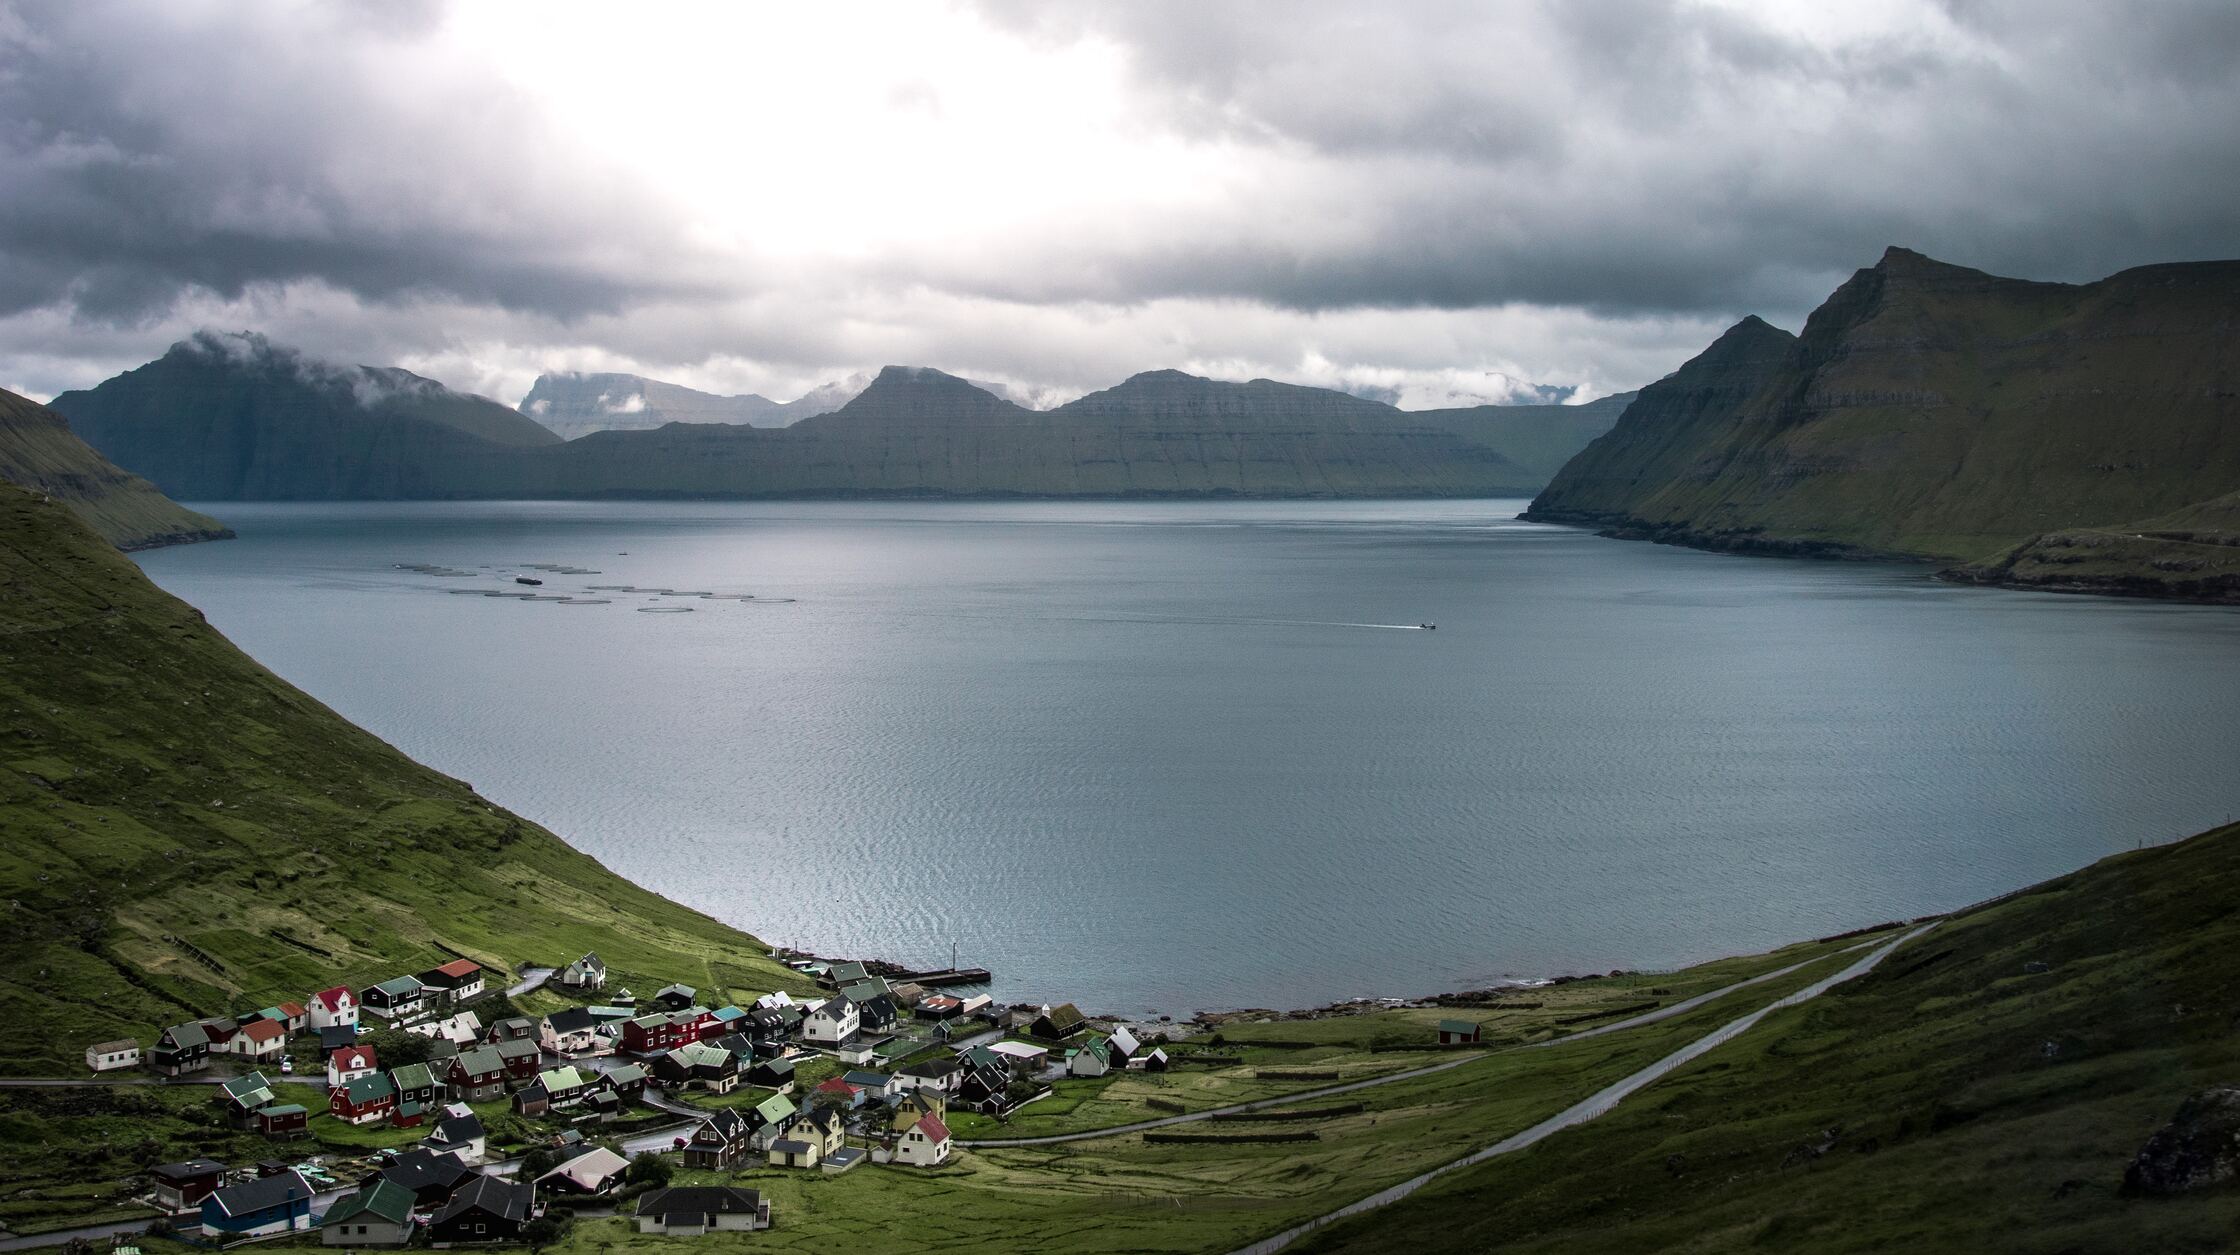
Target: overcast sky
{"points": [[1436, 201]]}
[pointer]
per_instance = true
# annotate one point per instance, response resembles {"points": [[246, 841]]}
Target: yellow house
{"points": [[917, 1105]]}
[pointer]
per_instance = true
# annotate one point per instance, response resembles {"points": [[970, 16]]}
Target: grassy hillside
{"points": [[2191, 554], [1938, 412], [1983, 1091], [156, 785], [38, 451]]}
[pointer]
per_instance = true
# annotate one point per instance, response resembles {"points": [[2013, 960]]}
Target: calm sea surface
{"points": [[1163, 757]]}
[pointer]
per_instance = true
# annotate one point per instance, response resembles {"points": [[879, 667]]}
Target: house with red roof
{"points": [[452, 982], [331, 1007], [924, 1144], [260, 1040], [349, 1063]]}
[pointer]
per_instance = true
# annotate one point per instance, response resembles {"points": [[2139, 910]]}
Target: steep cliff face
{"points": [[1932, 411], [1668, 432], [39, 453], [236, 418]]}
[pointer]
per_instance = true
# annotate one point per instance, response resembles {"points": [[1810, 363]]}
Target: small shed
{"points": [[1460, 1032]]}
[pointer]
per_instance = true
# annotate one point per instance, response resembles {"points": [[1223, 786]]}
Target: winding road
{"points": [[1598, 1103], [1682, 1007]]}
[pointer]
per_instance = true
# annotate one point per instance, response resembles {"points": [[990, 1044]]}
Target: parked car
{"points": [[287, 1065]]}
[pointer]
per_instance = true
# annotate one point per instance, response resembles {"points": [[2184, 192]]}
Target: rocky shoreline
{"points": [[1752, 542]]}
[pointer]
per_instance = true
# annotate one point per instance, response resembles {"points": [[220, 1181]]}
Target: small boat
{"points": [[1428, 627], [523, 579]]}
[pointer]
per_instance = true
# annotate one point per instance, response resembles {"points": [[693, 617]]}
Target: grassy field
{"points": [[65, 1154], [1120, 1193], [158, 787], [1986, 1094]]}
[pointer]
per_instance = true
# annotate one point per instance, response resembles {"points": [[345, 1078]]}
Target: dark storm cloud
{"points": [[1672, 157], [1394, 196], [148, 153]]}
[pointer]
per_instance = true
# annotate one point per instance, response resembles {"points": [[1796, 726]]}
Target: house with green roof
{"points": [[1094, 1058], [770, 1119], [378, 1215], [1460, 1032], [364, 1100], [283, 1119], [241, 1097], [398, 1000], [416, 1083]]}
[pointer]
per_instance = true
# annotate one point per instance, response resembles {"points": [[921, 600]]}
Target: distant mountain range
{"points": [[1931, 411], [573, 405], [38, 452], [234, 417]]}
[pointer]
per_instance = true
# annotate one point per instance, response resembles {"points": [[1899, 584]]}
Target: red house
{"points": [[282, 1120], [365, 1100], [663, 1031]]}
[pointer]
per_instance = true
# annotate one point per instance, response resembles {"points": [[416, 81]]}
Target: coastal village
{"points": [[630, 1104]]}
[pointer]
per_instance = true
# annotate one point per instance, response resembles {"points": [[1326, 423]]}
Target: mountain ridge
{"points": [[39, 452], [910, 432], [1932, 412]]}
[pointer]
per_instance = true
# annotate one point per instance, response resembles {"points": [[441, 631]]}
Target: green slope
{"points": [[157, 785], [38, 452], [1983, 1091], [1932, 411], [2191, 554]]}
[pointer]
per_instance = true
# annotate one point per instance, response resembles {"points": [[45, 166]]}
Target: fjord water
{"points": [[1163, 757]]}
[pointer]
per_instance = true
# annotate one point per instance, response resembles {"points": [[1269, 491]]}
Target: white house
{"points": [[689, 1210], [331, 1007], [460, 1133], [940, 1075], [1124, 1046], [831, 1022], [588, 972], [574, 1031], [108, 1056], [924, 1144], [261, 1040], [1093, 1059], [350, 1063], [459, 1029]]}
